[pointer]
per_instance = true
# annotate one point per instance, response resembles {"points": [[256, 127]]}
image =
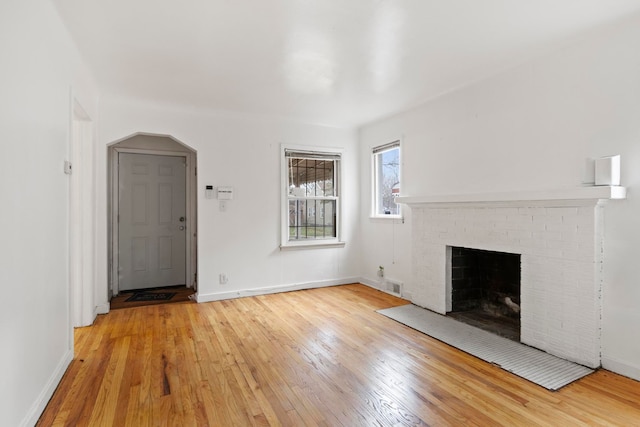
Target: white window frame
{"points": [[378, 149], [285, 243]]}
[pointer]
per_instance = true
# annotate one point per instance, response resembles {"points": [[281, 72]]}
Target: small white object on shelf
{"points": [[608, 171]]}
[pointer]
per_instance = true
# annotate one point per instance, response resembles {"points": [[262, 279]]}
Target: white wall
{"points": [[40, 66], [531, 128], [243, 152], [384, 240]]}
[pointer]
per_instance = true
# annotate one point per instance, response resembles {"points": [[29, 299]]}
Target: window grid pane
{"points": [[312, 219], [386, 181], [311, 177]]}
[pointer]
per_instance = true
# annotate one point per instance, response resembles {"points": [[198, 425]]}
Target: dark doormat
{"points": [[148, 296]]}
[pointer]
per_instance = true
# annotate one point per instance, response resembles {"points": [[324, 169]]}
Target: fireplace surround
{"points": [[559, 236]]}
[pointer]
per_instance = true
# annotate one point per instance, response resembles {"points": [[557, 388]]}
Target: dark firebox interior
{"points": [[485, 290]]}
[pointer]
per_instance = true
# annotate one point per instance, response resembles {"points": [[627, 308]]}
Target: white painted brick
{"points": [[563, 211], [565, 245], [501, 225], [497, 235], [586, 210], [537, 226], [553, 212], [560, 277], [509, 211], [582, 253], [526, 244], [451, 214], [547, 252], [547, 219], [520, 219], [562, 227], [584, 219], [532, 211], [543, 236]]}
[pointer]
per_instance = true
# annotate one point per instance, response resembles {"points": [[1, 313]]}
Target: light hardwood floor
{"points": [[316, 357]]}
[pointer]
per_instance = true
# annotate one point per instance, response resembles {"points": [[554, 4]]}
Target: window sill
{"points": [[312, 245], [387, 217]]}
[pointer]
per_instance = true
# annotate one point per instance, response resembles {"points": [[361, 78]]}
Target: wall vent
{"points": [[393, 287]]}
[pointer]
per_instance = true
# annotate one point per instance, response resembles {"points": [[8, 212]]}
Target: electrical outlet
{"points": [[223, 279]]}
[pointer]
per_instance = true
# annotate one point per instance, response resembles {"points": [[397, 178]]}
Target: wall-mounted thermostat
{"points": [[208, 191], [67, 167], [225, 193]]}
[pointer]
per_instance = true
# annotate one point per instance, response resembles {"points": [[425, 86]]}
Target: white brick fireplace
{"points": [[559, 237]]}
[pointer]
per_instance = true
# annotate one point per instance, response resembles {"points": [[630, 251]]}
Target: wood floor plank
{"points": [[104, 412], [320, 357]]}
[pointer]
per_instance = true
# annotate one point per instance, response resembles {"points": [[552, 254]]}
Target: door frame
{"points": [[191, 204], [83, 308]]}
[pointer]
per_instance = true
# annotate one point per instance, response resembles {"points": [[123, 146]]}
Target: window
{"points": [[386, 179], [311, 202]]}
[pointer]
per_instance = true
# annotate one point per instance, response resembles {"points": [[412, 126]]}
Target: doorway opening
{"points": [[153, 239]]}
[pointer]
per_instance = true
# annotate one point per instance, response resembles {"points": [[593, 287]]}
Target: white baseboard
{"points": [[621, 368], [103, 308], [380, 285], [45, 395], [375, 284], [218, 296]]}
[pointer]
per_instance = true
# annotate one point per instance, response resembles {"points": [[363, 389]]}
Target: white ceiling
{"points": [[335, 62]]}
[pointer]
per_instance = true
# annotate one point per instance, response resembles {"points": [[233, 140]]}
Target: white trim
{"points": [[113, 243], [191, 200], [571, 194], [400, 217], [379, 286], [379, 149], [375, 284], [332, 243], [386, 147], [218, 296], [621, 368], [284, 199], [82, 238], [38, 406], [103, 308]]}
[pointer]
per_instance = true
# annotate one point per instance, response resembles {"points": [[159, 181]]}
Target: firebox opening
{"points": [[485, 290]]}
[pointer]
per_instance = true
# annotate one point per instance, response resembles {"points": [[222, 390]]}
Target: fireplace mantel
{"points": [[580, 195]]}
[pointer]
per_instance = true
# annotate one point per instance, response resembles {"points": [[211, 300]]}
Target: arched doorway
{"points": [[152, 199]]}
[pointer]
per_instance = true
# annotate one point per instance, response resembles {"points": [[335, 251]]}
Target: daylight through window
{"points": [[312, 195], [386, 179]]}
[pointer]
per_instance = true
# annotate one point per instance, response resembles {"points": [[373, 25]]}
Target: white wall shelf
{"points": [[585, 194]]}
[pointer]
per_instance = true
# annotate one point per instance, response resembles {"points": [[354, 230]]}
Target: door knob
{"points": [[182, 227], [181, 219]]}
